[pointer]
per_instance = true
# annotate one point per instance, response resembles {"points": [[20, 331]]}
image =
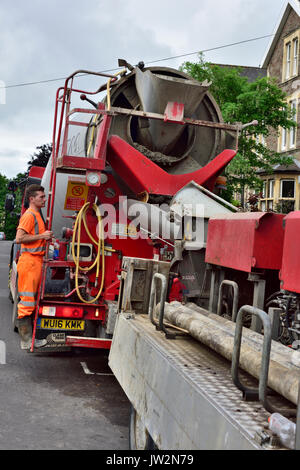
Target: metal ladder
{"points": [[62, 162]]}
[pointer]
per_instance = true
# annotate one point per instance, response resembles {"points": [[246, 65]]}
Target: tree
{"points": [[241, 101], [41, 156], [9, 220], [3, 186]]}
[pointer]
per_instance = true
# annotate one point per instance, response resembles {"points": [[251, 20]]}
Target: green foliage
{"points": [[241, 101], [3, 186], [11, 223], [41, 156], [9, 220]]}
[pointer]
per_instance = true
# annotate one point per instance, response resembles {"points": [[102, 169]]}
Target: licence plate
{"points": [[61, 324]]}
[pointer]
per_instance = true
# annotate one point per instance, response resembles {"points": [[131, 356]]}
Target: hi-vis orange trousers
{"points": [[29, 269]]}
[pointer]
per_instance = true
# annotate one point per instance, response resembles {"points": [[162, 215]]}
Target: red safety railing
{"points": [[60, 133], [61, 127]]}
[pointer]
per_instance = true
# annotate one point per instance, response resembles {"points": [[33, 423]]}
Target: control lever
{"points": [[83, 97], [252, 123]]}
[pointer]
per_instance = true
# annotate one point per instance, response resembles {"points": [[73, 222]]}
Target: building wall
{"points": [[276, 62], [291, 86]]}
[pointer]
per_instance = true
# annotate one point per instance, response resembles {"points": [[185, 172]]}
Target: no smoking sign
{"points": [[76, 195], [77, 190]]}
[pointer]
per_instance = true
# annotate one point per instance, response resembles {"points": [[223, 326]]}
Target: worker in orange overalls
{"points": [[32, 235]]}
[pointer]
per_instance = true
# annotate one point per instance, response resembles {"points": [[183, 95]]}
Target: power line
{"points": [[146, 63], [212, 49]]}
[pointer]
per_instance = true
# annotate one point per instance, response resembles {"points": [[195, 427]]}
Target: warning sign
{"points": [[76, 195], [77, 191]]}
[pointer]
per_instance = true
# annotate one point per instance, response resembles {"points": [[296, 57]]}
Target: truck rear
{"points": [[217, 369]]}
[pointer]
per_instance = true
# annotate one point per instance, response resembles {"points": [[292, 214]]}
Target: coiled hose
{"points": [[100, 256]]}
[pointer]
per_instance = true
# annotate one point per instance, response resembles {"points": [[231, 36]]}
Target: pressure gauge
{"points": [[93, 178]]}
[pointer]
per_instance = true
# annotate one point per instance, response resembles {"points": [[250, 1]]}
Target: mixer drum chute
{"points": [[177, 148], [154, 92]]}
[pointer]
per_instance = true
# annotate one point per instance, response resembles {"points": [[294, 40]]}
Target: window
{"points": [[295, 58], [290, 64], [287, 139], [287, 189], [271, 189], [287, 201], [294, 118], [260, 141], [279, 195], [283, 139], [267, 199], [288, 61]]}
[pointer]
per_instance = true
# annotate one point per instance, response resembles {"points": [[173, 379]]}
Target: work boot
{"points": [[25, 332]]}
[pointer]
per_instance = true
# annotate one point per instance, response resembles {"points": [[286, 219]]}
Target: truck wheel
{"points": [[15, 311], [139, 438], [9, 291]]}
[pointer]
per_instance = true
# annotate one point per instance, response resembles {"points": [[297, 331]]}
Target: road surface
{"points": [[56, 401]]}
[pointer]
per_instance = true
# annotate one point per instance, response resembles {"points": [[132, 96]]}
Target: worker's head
{"points": [[35, 195]]}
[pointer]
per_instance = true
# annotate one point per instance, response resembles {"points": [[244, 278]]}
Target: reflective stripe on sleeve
{"points": [[27, 304], [27, 294]]}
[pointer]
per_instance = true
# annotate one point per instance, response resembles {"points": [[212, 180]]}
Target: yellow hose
{"points": [[81, 217], [100, 250], [96, 116], [108, 87], [93, 135]]}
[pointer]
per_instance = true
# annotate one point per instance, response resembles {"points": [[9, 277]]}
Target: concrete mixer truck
{"points": [[124, 155]]}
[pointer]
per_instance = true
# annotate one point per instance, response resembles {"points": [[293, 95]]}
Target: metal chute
{"points": [[155, 92], [179, 149]]}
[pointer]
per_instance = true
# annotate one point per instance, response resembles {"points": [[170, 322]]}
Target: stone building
{"points": [[282, 188]]}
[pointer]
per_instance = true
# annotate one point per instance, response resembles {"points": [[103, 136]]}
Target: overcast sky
{"points": [[48, 39]]}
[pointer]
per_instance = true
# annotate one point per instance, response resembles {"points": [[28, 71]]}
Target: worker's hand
{"points": [[47, 235]]}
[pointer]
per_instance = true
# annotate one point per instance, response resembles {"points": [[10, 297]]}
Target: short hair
{"points": [[32, 190]]}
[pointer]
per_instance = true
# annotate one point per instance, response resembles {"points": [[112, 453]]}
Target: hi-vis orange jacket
{"points": [[32, 223], [29, 266]]}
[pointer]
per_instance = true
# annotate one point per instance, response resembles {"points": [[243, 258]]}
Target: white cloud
{"points": [[19, 137], [43, 40]]}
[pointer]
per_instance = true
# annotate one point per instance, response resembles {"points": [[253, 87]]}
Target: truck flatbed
{"points": [[183, 391]]}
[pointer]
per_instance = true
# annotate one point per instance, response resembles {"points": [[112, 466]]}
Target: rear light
{"points": [[48, 311], [61, 311]]}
